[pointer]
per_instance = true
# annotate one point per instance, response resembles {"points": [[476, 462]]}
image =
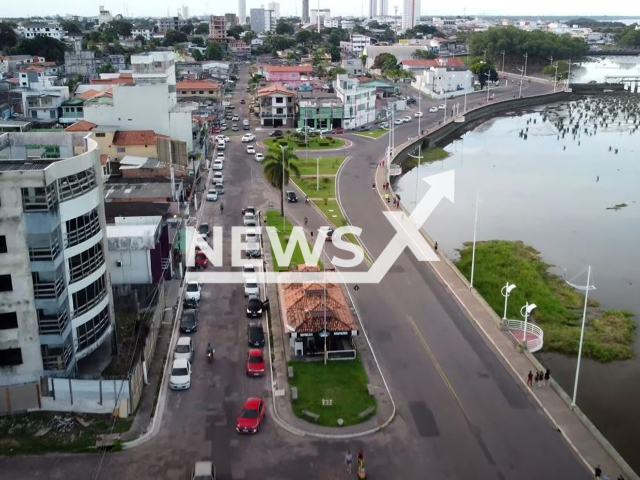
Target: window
{"points": [[10, 357], [52, 114], [66, 109], [100, 135], [5, 283], [279, 100], [88, 333], [201, 92], [3, 244], [122, 149], [86, 298], [8, 320], [82, 228]]}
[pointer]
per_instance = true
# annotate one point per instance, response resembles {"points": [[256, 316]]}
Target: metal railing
{"points": [[45, 253], [90, 303], [83, 233], [39, 199], [58, 360], [75, 185], [44, 290], [534, 344], [88, 266], [53, 324]]}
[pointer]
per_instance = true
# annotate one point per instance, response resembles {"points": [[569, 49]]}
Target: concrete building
{"points": [[320, 14], [171, 23], [258, 20], [410, 13], [55, 295], [242, 12], [359, 43], [231, 20], [373, 8], [359, 101], [145, 99], [352, 66], [275, 8], [277, 106], [185, 12], [286, 73], [305, 11], [331, 23], [145, 33], [81, 62], [216, 70], [239, 48], [384, 8], [196, 90], [41, 98], [30, 30], [217, 28], [104, 16], [320, 112], [347, 24], [443, 77]]}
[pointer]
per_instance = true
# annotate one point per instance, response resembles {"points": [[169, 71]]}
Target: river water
{"points": [[596, 69], [554, 193]]}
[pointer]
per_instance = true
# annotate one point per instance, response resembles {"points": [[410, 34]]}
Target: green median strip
{"points": [[275, 219], [309, 166], [314, 142]]}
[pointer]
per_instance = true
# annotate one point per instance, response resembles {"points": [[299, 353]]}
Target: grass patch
{"points": [[315, 142], [328, 165], [274, 219], [428, 156], [331, 208], [327, 187], [373, 133], [609, 335], [344, 382], [65, 434]]}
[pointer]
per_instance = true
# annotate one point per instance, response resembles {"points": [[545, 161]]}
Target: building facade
{"points": [[275, 8], [171, 23], [286, 73], [321, 113], [410, 13], [242, 11], [320, 15], [217, 27], [199, 90], [55, 294], [359, 101], [32, 29], [277, 106], [384, 8], [373, 8], [305, 11], [258, 20]]}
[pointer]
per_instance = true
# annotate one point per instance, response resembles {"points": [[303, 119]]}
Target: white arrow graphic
{"points": [[442, 186]]}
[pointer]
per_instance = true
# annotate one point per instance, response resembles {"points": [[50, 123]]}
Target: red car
{"points": [[251, 416], [201, 260], [215, 130], [337, 130], [255, 363]]}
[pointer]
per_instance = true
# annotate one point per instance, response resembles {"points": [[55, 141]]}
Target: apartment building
{"points": [[56, 305], [359, 101], [277, 106], [217, 28], [30, 30]]}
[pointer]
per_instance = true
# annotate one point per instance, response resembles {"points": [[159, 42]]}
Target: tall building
{"points": [[275, 7], [185, 12], [384, 8], [305, 11], [217, 27], [410, 13], [56, 305], [262, 20], [373, 8], [104, 16], [242, 11], [320, 15], [231, 20]]}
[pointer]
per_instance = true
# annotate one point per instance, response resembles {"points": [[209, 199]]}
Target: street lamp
{"points": [[506, 291], [317, 173], [282, 149], [466, 87], [419, 105], [521, 80], [418, 157], [525, 312], [488, 74], [569, 74], [485, 55], [555, 79], [503, 53], [526, 57]]}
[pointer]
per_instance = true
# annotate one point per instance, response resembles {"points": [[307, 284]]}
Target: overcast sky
{"points": [[19, 8]]}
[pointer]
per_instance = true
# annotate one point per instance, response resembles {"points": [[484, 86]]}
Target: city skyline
{"points": [[160, 8]]}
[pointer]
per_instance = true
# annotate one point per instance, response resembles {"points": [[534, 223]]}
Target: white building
{"points": [[347, 24], [148, 102], [104, 16], [359, 101], [444, 77], [56, 304], [331, 23], [146, 33], [322, 13], [352, 66], [275, 8], [30, 30], [41, 98], [359, 43], [384, 8], [242, 11], [185, 12], [171, 23], [410, 13], [373, 8]]}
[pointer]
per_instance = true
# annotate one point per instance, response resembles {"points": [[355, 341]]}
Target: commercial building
{"points": [[81, 62], [410, 13], [305, 11], [320, 15], [56, 305], [276, 106], [275, 8], [145, 33], [30, 30], [242, 12], [286, 73], [197, 90], [321, 113], [104, 16], [442, 77], [257, 20], [217, 27], [359, 101]]}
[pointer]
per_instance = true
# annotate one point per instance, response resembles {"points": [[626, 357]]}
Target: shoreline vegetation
{"points": [[428, 156], [609, 334]]}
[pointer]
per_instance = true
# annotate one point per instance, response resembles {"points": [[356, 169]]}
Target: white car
{"points": [[249, 220], [224, 138], [193, 291], [441, 106], [217, 165], [180, 378], [251, 150], [212, 195], [433, 109], [184, 349], [218, 177], [417, 114], [252, 235], [248, 271], [406, 119], [245, 122], [248, 137], [220, 157], [235, 118], [325, 131], [259, 157], [397, 121], [384, 125], [251, 287]]}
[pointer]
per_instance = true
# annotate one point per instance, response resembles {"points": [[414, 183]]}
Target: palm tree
{"points": [[273, 166], [363, 59]]}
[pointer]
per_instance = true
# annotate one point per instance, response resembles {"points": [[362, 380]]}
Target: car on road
{"points": [[325, 131], [221, 144], [236, 118], [418, 114], [217, 165], [249, 218], [259, 157], [193, 291], [204, 230], [276, 133], [224, 138], [180, 378], [253, 250], [433, 109], [184, 349], [363, 128], [248, 137], [406, 119], [245, 122], [218, 177], [234, 127], [189, 320], [337, 131], [242, 101], [246, 127], [397, 121], [441, 106], [212, 195], [411, 101], [255, 334], [249, 209], [248, 271], [292, 197], [254, 307], [251, 150], [384, 125], [255, 363], [224, 127], [220, 156], [203, 471], [251, 287], [219, 188], [328, 231], [252, 235], [251, 416]]}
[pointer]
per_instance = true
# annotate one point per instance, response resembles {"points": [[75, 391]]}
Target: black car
{"points": [[204, 229], [254, 306], [276, 133], [411, 101], [255, 335], [189, 320], [292, 197]]}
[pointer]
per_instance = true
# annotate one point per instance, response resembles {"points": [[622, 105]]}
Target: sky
{"points": [[15, 8]]}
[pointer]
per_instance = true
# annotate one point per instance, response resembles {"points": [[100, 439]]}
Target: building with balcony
{"points": [[72, 111], [321, 113], [196, 90], [359, 100], [30, 30], [171, 23], [239, 48], [286, 73], [217, 28], [56, 305], [276, 106]]}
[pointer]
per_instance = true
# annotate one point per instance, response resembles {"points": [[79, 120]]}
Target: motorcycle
{"points": [[210, 357], [190, 303]]}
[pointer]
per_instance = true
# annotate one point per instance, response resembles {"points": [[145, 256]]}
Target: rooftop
{"points": [[275, 89], [197, 84], [136, 137], [81, 126], [289, 68], [134, 209], [436, 62], [320, 102]]}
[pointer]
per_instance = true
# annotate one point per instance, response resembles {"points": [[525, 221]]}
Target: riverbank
{"points": [[428, 156], [609, 334]]}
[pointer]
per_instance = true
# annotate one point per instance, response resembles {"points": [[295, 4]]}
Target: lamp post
{"points": [[466, 87], [317, 174], [569, 74], [525, 312], [506, 291], [282, 149], [418, 157], [526, 57], [445, 110], [488, 74], [503, 53], [473, 252], [586, 289], [521, 80], [485, 56], [419, 105]]}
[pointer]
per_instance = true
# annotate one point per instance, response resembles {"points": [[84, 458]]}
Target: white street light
{"points": [[419, 105], [488, 74], [526, 57], [569, 73], [466, 87], [317, 173], [503, 53], [282, 149], [521, 81], [506, 291], [473, 252], [419, 157], [525, 312]]}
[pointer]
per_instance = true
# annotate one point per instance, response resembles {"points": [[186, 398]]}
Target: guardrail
{"points": [[534, 344]]}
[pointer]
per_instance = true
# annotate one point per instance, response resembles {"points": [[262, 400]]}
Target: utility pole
{"points": [[503, 53], [526, 57]]}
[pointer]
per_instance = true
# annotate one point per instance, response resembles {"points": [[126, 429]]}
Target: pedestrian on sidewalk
{"points": [[436, 247], [537, 379], [547, 377], [360, 459], [373, 186], [386, 197], [348, 459], [530, 379], [541, 378], [598, 472]]}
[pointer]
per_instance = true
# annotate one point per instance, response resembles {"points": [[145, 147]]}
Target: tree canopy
{"points": [[424, 55], [481, 69], [187, 29], [106, 68], [630, 37], [70, 27], [274, 166], [202, 28], [8, 37], [173, 36], [284, 28], [213, 51], [197, 56], [385, 61], [47, 47]]}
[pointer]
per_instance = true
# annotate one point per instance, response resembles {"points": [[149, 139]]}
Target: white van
{"points": [[221, 144]]}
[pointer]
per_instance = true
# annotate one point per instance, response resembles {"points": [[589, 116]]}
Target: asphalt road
{"points": [[460, 414]]}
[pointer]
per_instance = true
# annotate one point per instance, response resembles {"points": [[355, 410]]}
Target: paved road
{"points": [[460, 414]]}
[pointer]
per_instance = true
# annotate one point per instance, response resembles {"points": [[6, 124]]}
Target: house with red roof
{"points": [[198, 90], [277, 106]]}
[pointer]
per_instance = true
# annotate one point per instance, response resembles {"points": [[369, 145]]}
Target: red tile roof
{"points": [[277, 88], [289, 68], [136, 137], [81, 126], [447, 62], [197, 84], [122, 79], [91, 94]]}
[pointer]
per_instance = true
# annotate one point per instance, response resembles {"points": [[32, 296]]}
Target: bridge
{"points": [[633, 81]]}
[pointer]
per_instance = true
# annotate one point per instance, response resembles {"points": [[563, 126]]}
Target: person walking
{"points": [[348, 460], [530, 379], [598, 472], [360, 459], [373, 186], [436, 247], [547, 377], [541, 378], [537, 379]]}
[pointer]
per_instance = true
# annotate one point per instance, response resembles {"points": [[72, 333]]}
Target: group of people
{"points": [[541, 378], [601, 476], [348, 460]]}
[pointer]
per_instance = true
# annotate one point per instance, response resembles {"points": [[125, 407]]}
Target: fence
{"points": [[19, 398], [86, 395], [533, 344]]}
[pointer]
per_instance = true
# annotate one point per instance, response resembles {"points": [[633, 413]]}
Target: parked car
{"points": [[234, 127], [180, 378], [276, 133], [251, 287], [441, 106], [411, 101], [254, 307], [248, 137], [397, 121], [252, 235], [433, 109], [384, 125], [218, 177], [363, 128], [251, 150], [253, 250], [189, 320], [249, 209], [406, 119], [242, 101], [224, 138], [251, 416], [221, 144], [248, 271], [249, 218], [212, 195], [217, 165], [255, 363], [220, 157], [255, 334], [204, 230], [203, 471], [219, 188], [292, 197], [184, 349], [417, 114], [193, 291], [259, 157], [246, 127], [236, 118], [201, 259], [337, 131]]}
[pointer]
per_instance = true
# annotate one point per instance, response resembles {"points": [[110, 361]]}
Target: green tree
{"points": [[202, 29], [197, 56], [630, 38], [173, 36], [278, 166], [47, 47], [363, 59], [8, 37], [213, 51], [106, 68], [385, 61], [122, 27], [187, 29], [335, 72], [277, 43], [70, 27], [284, 28], [304, 37], [141, 39], [233, 33], [563, 69], [481, 69], [199, 41], [424, 55]]}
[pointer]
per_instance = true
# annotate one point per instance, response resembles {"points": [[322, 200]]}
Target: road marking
{"points": [[443, 376]]}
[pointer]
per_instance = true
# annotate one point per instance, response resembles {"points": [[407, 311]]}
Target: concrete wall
{"points": [[88, 396], [135, 269]]}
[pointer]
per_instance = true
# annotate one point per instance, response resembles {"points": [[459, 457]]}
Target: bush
{"points": [[323, 144], [302, 144]]}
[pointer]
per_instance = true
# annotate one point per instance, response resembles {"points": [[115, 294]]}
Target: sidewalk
{"points": [[588, 443]]}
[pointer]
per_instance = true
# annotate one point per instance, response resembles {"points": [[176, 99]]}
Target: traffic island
{"points": [[313, 142]]}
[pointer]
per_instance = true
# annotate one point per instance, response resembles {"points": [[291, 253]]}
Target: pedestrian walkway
{"points": [[588, 443]]}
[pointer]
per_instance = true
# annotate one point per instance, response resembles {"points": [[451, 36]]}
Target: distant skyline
{"points": [[155, 8]]}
